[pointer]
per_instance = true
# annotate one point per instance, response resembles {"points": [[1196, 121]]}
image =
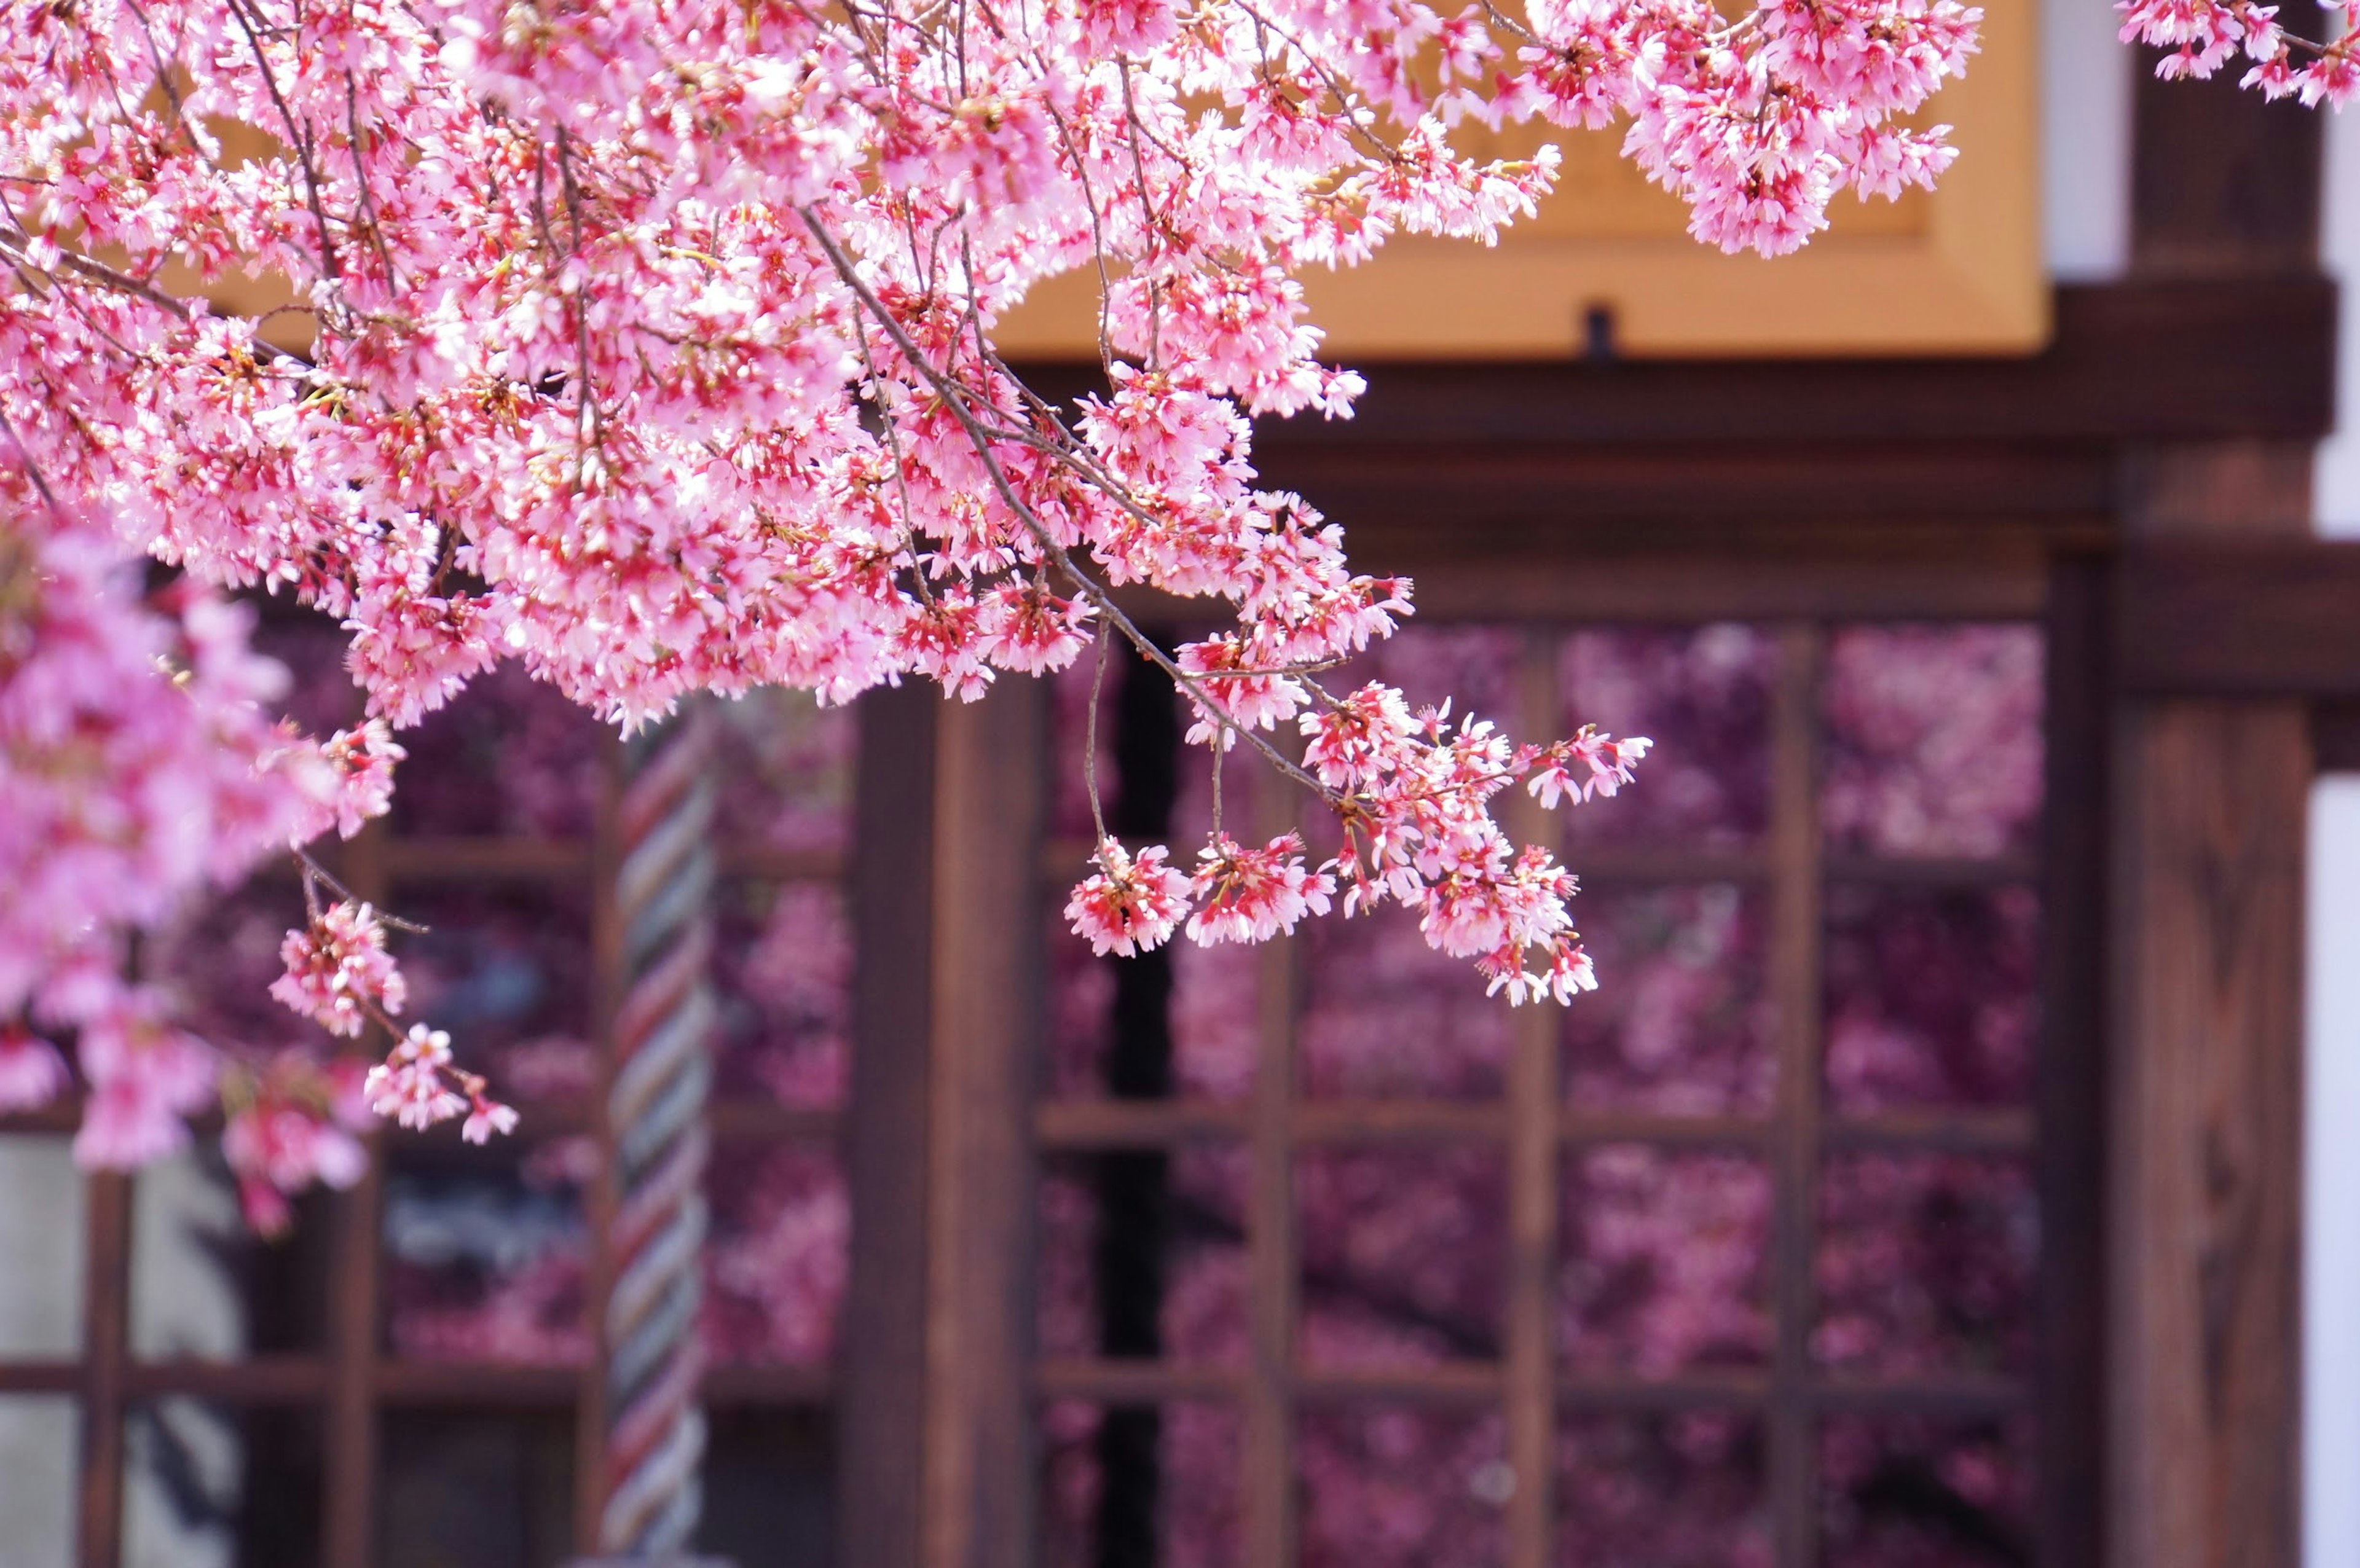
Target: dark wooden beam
{"points": [[2166, 359], [2335, 736], [2222, 181], [2276, 619]]}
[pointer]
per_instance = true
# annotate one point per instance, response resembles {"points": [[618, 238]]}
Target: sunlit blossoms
{"points": [[290, 1125], [651, 344], [2201, 36], [1128, 904], [338, 972], [417, 1084]]}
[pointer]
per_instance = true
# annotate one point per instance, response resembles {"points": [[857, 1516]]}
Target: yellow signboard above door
{"points": [[1955, 271]]}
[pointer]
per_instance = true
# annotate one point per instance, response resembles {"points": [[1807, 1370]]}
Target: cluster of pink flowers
{"points": [[652, 346], [338, 972], [657, 353], [291, 1124], [410, 1086], [2202, 36]]}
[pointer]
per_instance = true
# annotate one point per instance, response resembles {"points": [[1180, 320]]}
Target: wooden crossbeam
{"points": [[2217, 619]]}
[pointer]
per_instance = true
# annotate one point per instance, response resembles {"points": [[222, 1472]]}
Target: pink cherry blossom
{"points": [[1252, 895], [659, 358], [1128, 904], [338, 971], [284, 1132], [32, 1071], [408, 1084]]}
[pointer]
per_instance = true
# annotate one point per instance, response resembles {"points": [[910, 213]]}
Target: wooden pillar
{"points": [[2205, 1080], [979, 1463], [881, 1382], [2207, 1157], [2204, 1096]]}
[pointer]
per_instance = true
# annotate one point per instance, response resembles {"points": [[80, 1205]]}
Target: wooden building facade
{"points": [[2133, 492]]}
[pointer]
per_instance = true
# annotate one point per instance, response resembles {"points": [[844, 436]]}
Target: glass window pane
{"points": [[485, 1255], [1472, 667], [1404, 1254], [39, 1436], [1917, 1492], [1387, 1488], [209, 1486], [1681, 1490], [1210, 1009], [768, 1488], [473, 1490], [321, 697], [511, 756], [1930, 996], [1140, 1484], [776, 1262], [1168, 1278], [203, 1284], [43, 1224], [220, 956], [1702, 695], [1665, 1264], [1680, 1023], [785, 772], [782, 969], [505, 968], [1926, 1264], [1384, 1014], [1933, 739]]}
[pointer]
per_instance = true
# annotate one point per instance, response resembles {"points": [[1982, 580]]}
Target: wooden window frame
{"points": [[1531, 1125]]}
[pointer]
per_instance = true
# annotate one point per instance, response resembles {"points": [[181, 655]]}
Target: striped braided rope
{"points": [[655, 1111]]}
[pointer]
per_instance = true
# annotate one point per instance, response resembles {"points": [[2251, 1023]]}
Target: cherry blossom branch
{"points": [[953, 398]]}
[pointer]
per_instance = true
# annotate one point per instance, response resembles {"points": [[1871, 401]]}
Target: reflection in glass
{"points": [[785, 772], [1386, 1487], [510, 756], [42, 1226], [40, 1435], [1702, 695], [1665, 1261], [1472, 667], [1154, 1483], [321, 697], [505, 968], [782, 974], [1926, 1264], [1171, 1281], [1916, 1492], [474, 1491], [1384, 1014], [203, 1284], [219, 956], [1680, 1023], [1933, 739], [1930, 996], [484, 1261], [210, 1487], [776, 1263], [1212, 1012], [1680, 1490], [1403, 1254]]}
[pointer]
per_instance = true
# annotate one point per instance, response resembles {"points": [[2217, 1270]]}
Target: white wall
{"points": [[2338, 489], [2331, 1295], [2330, 1286], [2085, 141]]}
